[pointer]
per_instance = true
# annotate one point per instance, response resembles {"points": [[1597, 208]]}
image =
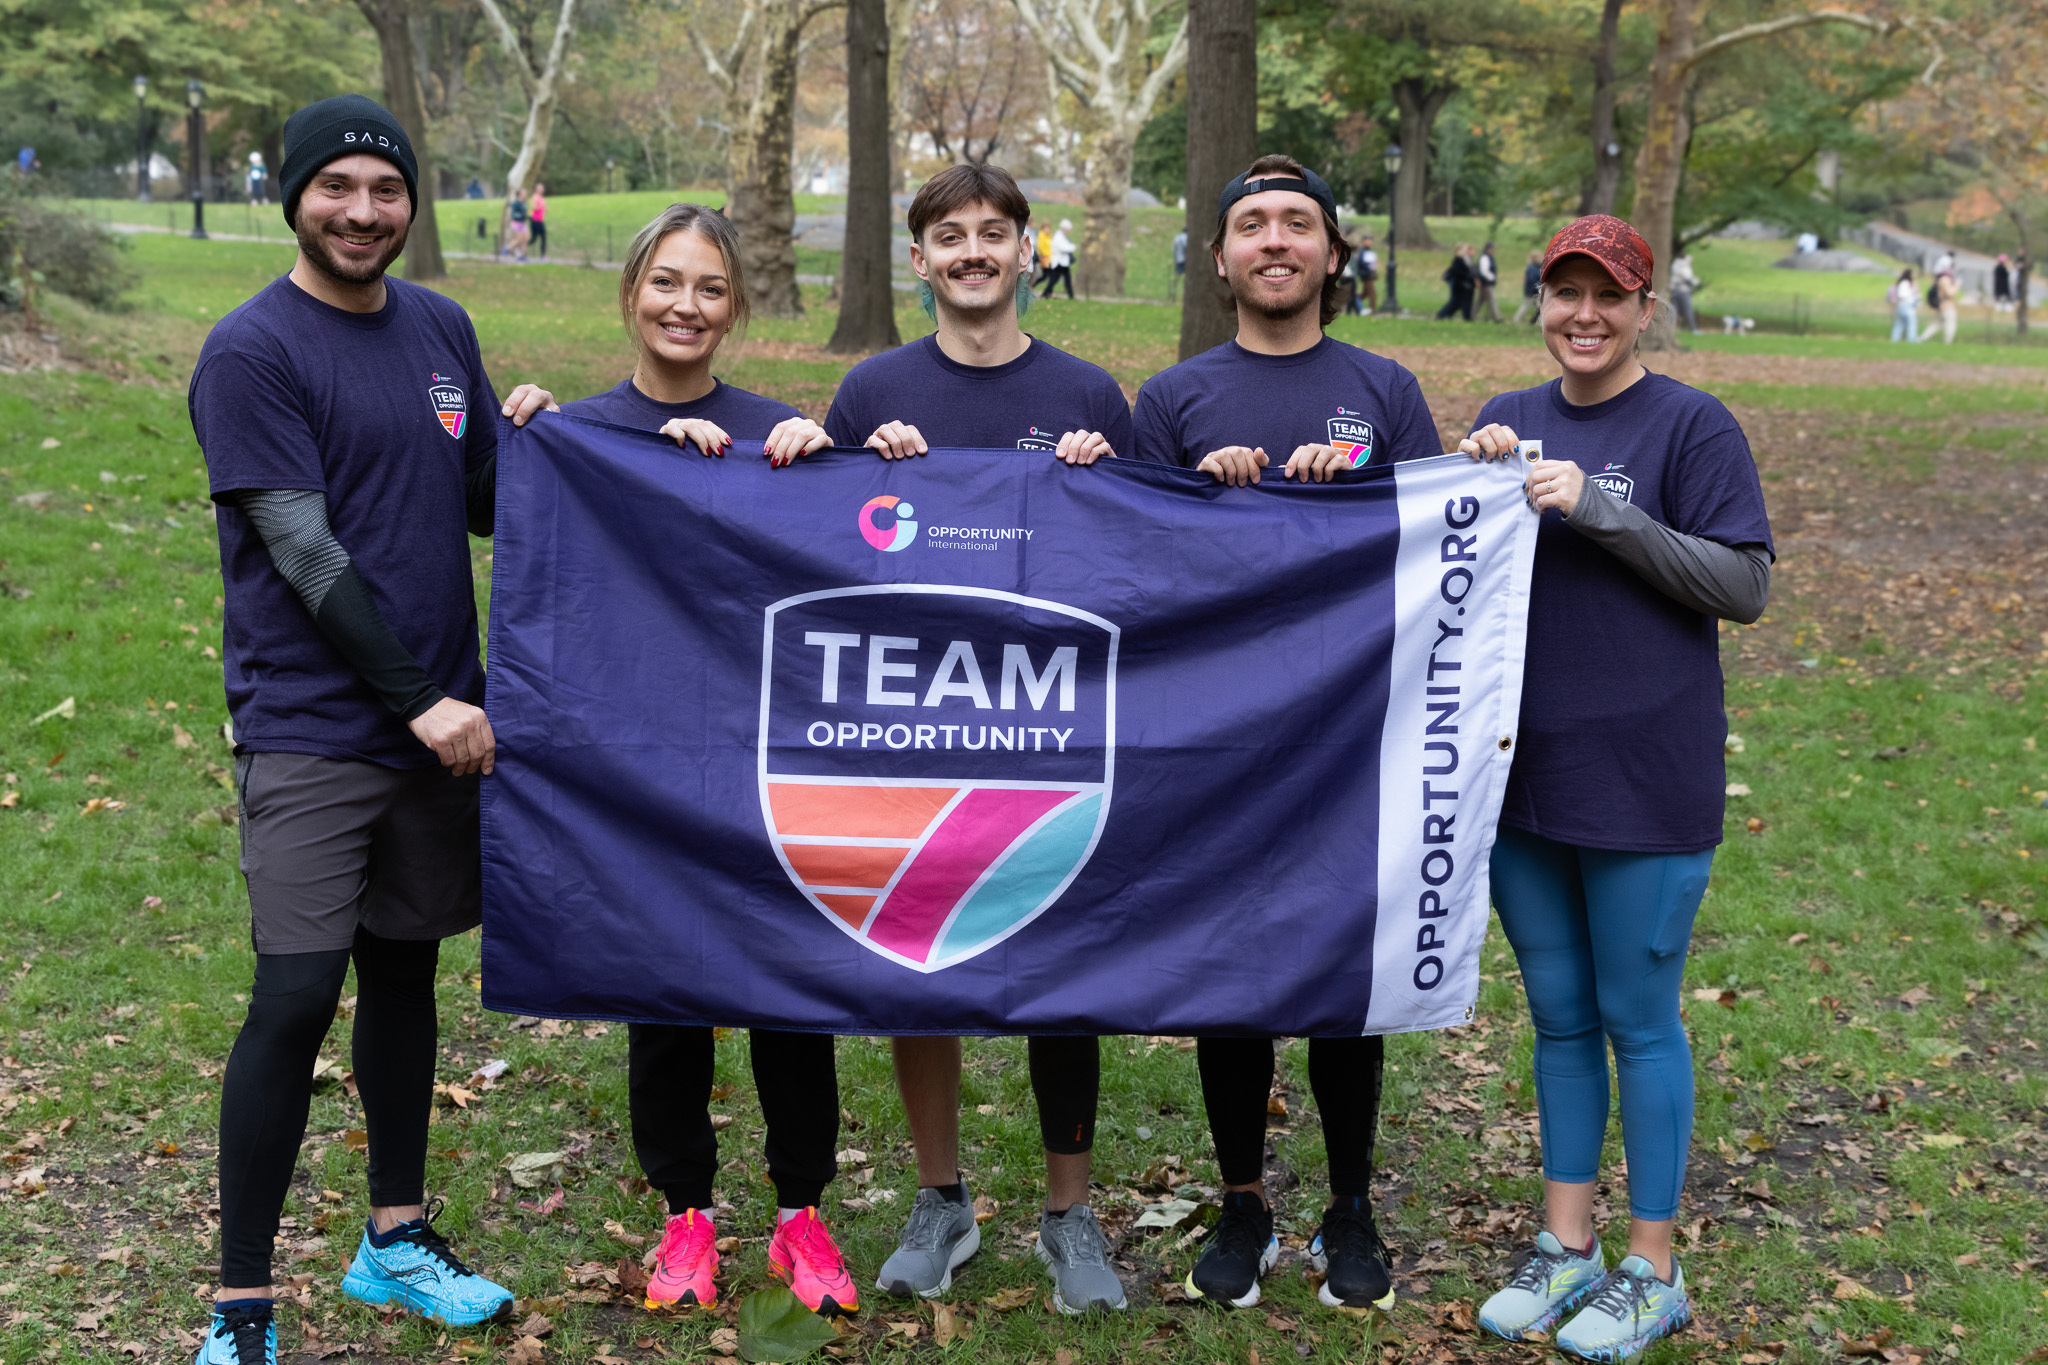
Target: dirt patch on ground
{"points": [[25, 350]]}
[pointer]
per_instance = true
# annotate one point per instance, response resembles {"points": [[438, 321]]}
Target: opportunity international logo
{"points": [[935, 761], [899, 533]]}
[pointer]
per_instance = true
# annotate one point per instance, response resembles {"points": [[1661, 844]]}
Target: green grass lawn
{"points": [[1865, 995]]}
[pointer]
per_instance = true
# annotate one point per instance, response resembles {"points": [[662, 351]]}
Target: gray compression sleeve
{"points": [[293, 524], [1730, 581]]}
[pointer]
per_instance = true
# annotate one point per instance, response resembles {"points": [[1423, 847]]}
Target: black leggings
{"points": [[268, 1089], [1343, 1073], [1066, 1080], [669, 1069], [1057, 275]]}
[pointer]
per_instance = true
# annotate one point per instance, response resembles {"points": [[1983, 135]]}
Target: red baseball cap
{"points": [[1619, 248]]}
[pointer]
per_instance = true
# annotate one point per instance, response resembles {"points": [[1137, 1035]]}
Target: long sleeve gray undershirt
{"points": [[1729, 581], [294, 527]]}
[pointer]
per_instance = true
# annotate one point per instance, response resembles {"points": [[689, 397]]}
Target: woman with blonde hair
{"points": [[681, 293]]}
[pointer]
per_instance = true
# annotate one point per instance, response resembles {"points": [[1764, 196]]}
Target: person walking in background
{"points": [[1945, 262], [1683, 283], [2001, 284], [1459, 276], [1041, 256], [1532, 285], [1060, 269], [1180, 264], [537, 218], [475, 190], [258, 174], [516, 228], [1487, 271], [1365, 269], [1904, 297], [1945, 293]]}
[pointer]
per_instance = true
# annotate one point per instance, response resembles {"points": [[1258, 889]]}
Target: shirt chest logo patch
{"points": [[1039, 439], [450, 405], [1351, 434], [1621, 485]]}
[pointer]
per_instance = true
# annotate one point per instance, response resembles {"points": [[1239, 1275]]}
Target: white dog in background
{"points": [[1730, 324]]}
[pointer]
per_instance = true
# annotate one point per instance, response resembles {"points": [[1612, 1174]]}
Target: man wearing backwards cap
{"points": [[350, 445], [1284, 390], [1652, 526]]}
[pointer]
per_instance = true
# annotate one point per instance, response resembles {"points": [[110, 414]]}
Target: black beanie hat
{"points": [[338, 127]]}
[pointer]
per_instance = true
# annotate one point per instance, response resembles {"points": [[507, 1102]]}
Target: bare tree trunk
{"points": [[867, 302], [1105, 198], [1105, 67], [540, 95], [1661, 161], [1223, 139], [392, 21], [1606, 182], [1418, 104], [902, 14], [2023, 276], [761, 200]]}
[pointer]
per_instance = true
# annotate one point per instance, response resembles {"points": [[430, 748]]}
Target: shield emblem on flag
{"points": [[935, 762]]}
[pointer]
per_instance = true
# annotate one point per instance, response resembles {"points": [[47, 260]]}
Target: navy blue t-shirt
{"points": [[1330, 394], [1024, 404], [741, 415], [1623, 725], [385, 413]]}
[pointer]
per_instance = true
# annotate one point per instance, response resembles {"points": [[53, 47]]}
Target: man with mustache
{"points": [[1282, 389], [981, 382], [351, 445]]}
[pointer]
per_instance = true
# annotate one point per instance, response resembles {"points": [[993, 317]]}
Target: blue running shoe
{"points": [[416, 1269], [243, 1333], [1546, 1288], [1631, 1309]]}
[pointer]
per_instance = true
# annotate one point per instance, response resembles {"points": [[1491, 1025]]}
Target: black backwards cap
{"points": [[1308, 183], [342, 126]]}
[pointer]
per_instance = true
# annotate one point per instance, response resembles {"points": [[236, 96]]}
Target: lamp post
{"points": [[1393, 161], [195, 138], [141, 139]]}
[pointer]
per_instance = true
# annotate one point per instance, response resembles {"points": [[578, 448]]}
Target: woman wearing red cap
{"points": [[1653, 527]]}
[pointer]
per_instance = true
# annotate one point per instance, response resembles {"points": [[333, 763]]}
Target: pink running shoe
{"points": [[802, 1252], [686, 1264]]}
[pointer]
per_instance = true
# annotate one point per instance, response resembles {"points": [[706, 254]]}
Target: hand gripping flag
{"points": [[979, 742]]}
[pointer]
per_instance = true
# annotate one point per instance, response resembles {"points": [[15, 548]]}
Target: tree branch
{"points": [[509, 40], [1881, 27]]}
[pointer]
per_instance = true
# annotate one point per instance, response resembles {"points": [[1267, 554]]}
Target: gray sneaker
{"points": [[1076, 1254], [939, 1237]]}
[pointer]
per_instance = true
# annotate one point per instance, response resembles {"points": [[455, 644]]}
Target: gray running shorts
{"points": [[329, 844]]}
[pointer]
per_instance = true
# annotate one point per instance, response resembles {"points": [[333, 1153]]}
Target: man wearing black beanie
{"points": [[351, 445]]}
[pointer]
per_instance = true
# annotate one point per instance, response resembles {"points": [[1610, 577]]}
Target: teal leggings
{"points": [[1600, 937]]}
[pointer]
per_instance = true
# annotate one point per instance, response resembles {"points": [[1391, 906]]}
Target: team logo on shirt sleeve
{"points": [[1352, 434], [449, 404]]}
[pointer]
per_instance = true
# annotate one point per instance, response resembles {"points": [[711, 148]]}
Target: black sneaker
{"points": [[1241, 1248], [1353, 1259]]}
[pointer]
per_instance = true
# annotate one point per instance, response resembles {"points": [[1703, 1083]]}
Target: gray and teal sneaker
{"points": [[939, 1237], [1548, 1284], [1631, 1309], [414, 1267], [243, 1333], [1076, 1255]]}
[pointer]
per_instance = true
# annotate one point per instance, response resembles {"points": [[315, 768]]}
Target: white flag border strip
{"points": [[1468, 540]]}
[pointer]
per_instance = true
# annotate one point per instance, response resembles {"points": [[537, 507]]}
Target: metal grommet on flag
{"points": [[1506, 742]]}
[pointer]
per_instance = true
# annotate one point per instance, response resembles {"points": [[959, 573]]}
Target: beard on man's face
{"points": [[1307, 296], [313, 241]]}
